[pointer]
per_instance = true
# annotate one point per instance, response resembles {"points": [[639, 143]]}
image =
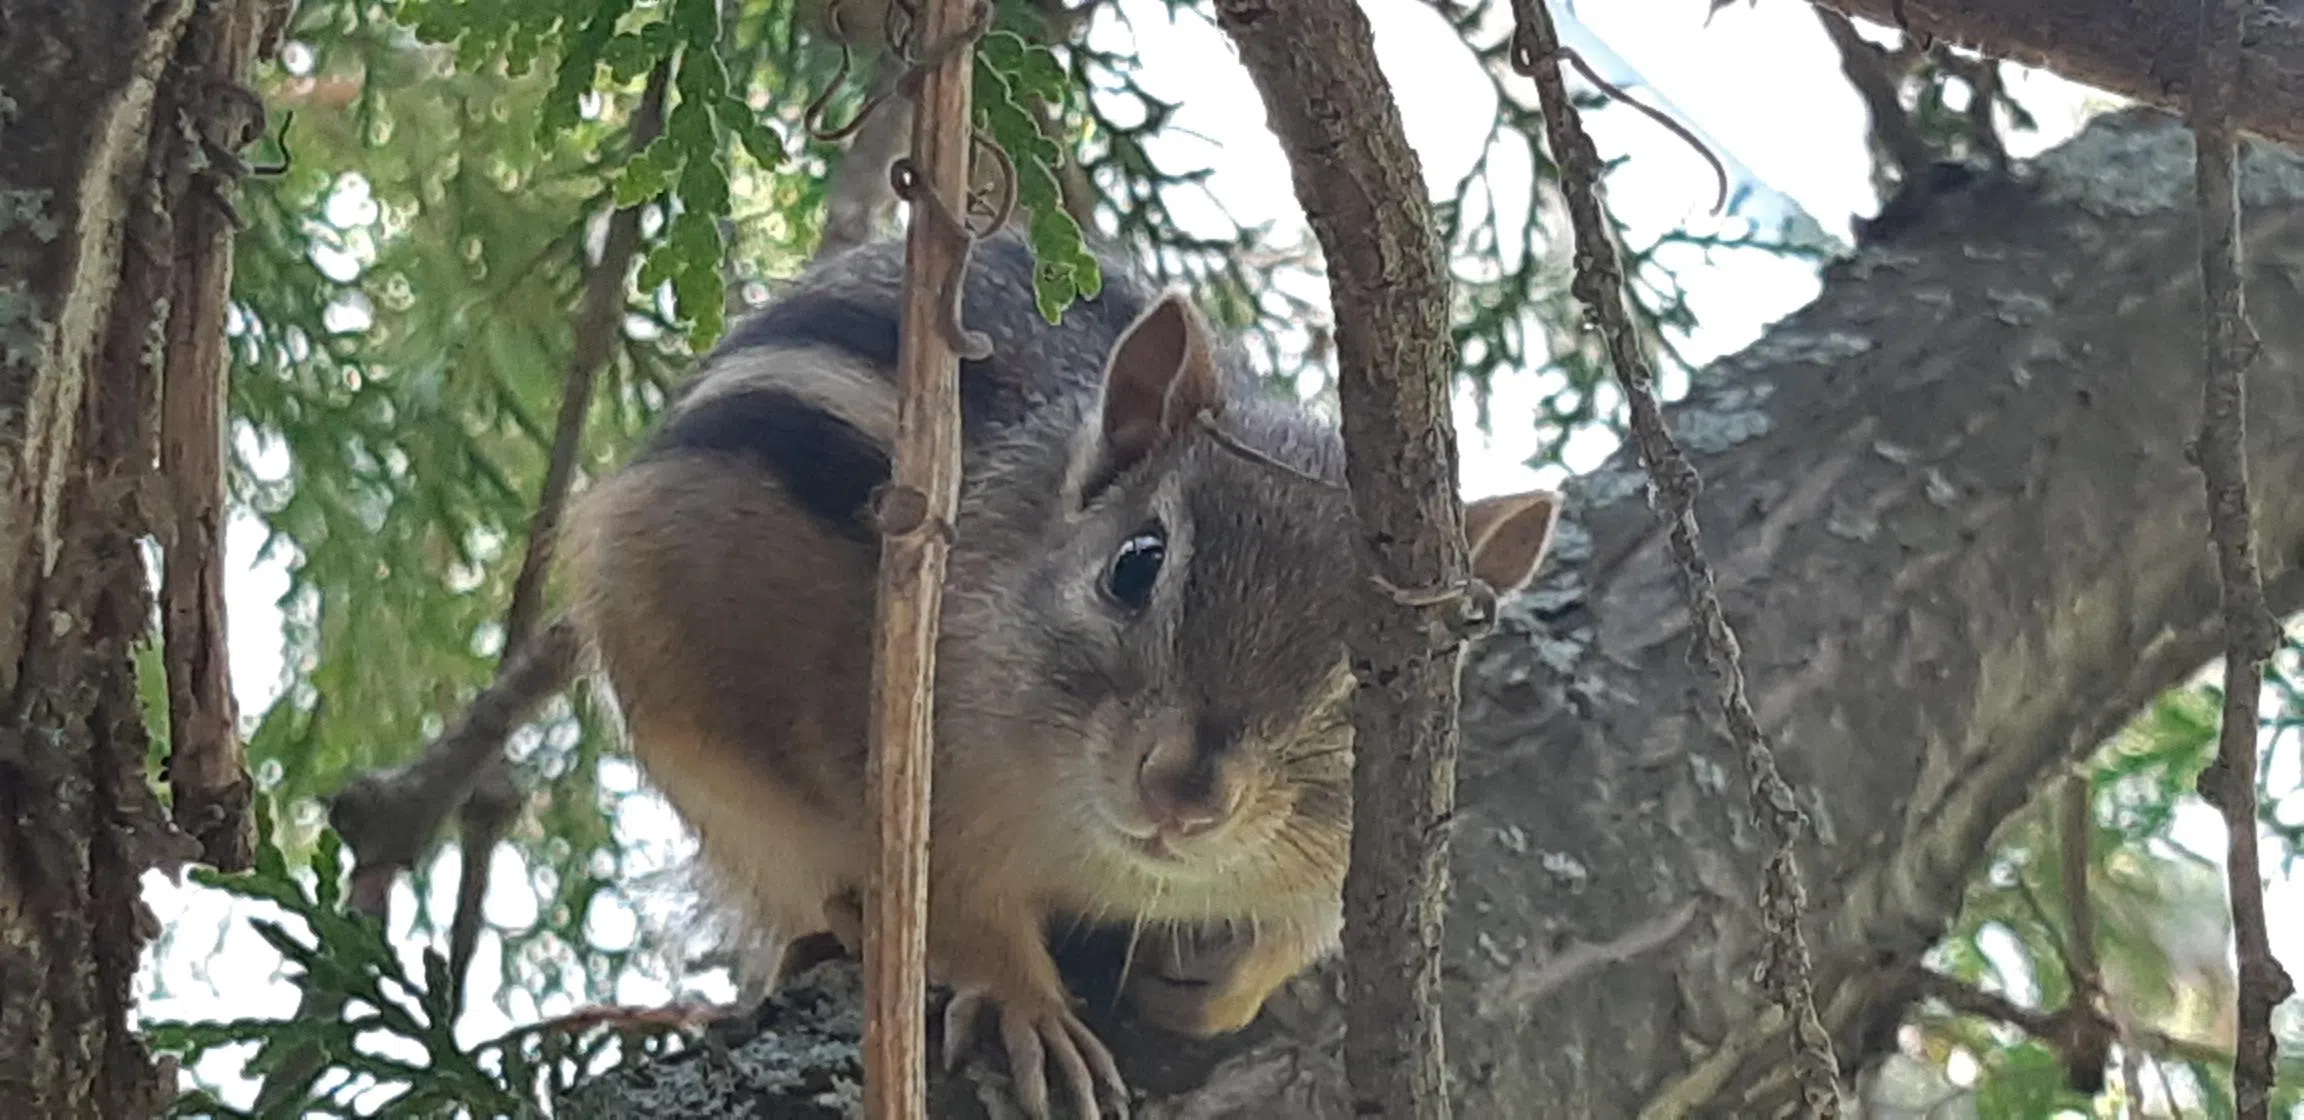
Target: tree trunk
{"points": [[93, 174], [1958, 535]]}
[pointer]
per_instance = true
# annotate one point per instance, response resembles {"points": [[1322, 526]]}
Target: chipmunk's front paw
{"points": [[1037, 1033]]}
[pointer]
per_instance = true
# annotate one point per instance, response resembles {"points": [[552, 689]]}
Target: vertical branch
{"points": [[916, 514], [1363, 192], [494, 803], [2088, 1044], [1673, 483], [2251, 633], [208, 776]]}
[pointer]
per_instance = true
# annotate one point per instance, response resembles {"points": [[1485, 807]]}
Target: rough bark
{"points": [[2251, 633], [1361, 187], [98, 102], [2135, 48], [212, 791], [1958, 535]]}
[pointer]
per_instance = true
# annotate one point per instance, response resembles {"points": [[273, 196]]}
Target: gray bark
{"points": [[1960, 539]]}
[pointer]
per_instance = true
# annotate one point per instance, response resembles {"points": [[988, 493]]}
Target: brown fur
{"points": [[1186, 768]]}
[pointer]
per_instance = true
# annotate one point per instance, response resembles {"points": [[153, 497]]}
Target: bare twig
{"points": [[1599, 285], [494, 802], [2054, 1028], [2091, 1040], [394, 813], [1719, 169], [925, 479], [1362, 191], [388, 817], [2251, 632]]}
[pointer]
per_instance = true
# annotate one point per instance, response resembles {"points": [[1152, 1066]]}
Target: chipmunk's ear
{"points": [[1509, 535], [1160, 376]]}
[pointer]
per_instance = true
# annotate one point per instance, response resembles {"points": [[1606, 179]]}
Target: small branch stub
{"points": [[923, 493]]}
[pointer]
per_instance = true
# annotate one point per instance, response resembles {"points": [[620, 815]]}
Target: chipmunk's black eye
{"points": [[1136, 568]]}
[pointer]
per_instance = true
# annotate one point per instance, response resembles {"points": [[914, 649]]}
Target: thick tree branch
{"points": [[1362, 189], [207, 764], [2250, 631], [89, 202], [2141, 49], [1952, 516]]}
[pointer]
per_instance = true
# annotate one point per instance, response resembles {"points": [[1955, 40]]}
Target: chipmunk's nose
{"points": [[1184, 791]]}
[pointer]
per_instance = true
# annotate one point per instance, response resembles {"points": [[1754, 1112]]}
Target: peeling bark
{"points": [[1958, 536], [96, 102]]}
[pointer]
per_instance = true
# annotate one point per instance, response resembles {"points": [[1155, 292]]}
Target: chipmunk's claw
{"points": [[1034, 1038]]}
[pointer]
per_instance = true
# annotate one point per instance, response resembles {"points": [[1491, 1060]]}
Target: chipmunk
{"points": [[1142, 686]]}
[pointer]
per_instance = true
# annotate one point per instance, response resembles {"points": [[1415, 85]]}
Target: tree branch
{"points": [[1673, 485], [2141, 49], [916, 514], [1362, 189], [2251, 633], [494, 802], [212, 790], [1952, 514], [2056, 1028], [388, 817], [2091, 1043], [1878, 81]]}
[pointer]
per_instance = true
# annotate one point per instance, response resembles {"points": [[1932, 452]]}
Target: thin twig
{"points": [[926, 477], [494, 802], [2251, 633], [1599, 285], [376, 806], [2052, 1027], [1719, 169], [858, 196], [2090, 1043]]}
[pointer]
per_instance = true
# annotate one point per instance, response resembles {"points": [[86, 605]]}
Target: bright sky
{"points": [[1761, 83]]}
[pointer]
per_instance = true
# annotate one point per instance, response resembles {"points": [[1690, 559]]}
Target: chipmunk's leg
{"points": [[842, 936], [1212, 980], [803, 953], [996, 960]]}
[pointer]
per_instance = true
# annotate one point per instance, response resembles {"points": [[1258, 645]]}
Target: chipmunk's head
{"points": [[1164, 625]]}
